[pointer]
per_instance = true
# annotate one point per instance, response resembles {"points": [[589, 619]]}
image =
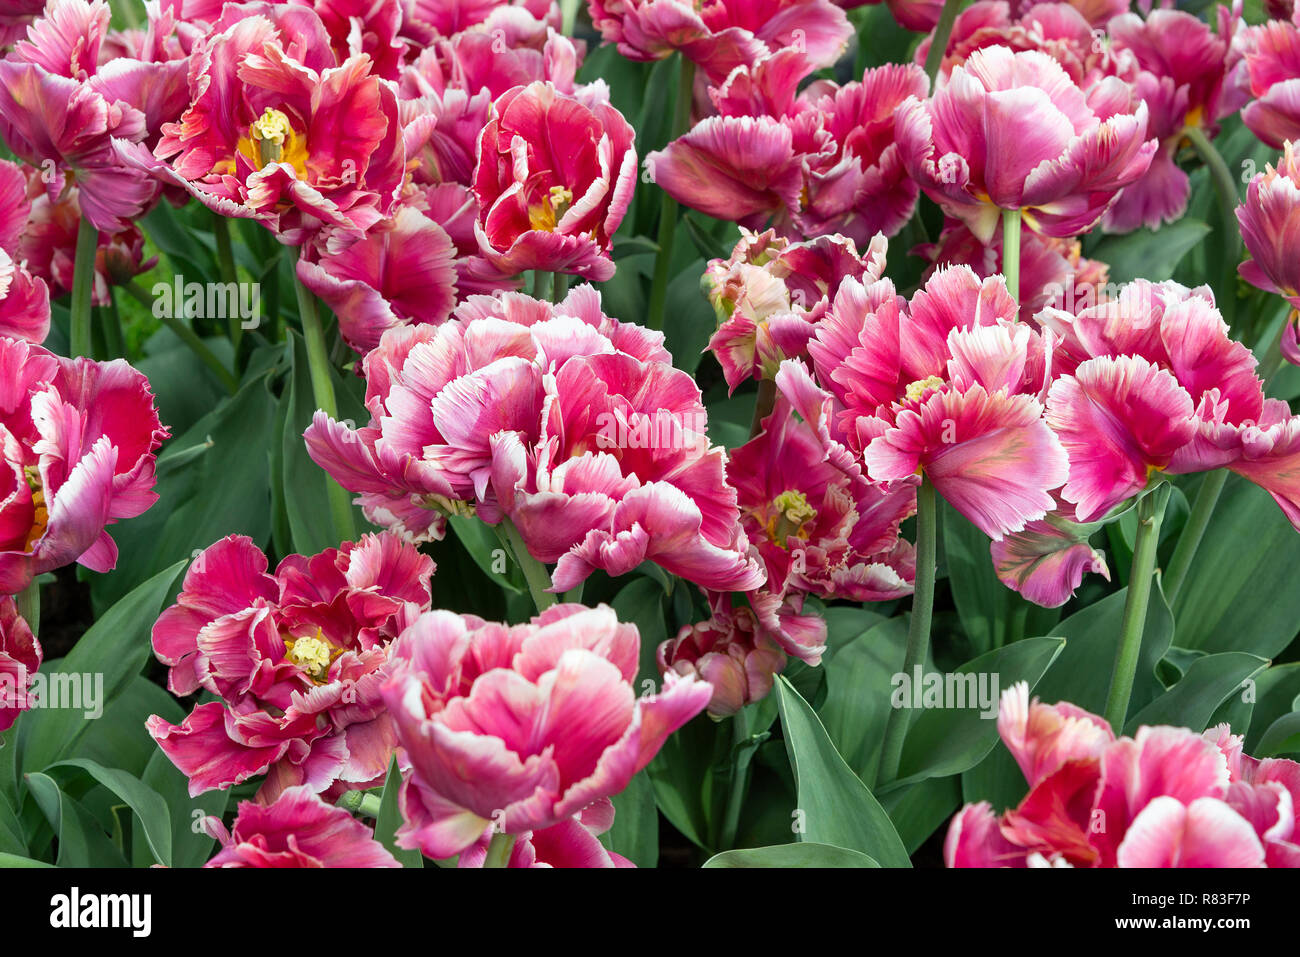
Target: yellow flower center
{"points": [[920, 387], [548, 213], [272, 139], [790, 515], [313, 654], [41, 513]]}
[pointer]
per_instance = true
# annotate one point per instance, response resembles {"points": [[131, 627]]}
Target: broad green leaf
{"points": [[1143, 254], [1081, 673], [635, 833], [950, 740], [919, 809], [1277, 693], [17, 860], [82, 841], [1191, 703], [857, 693], [807, 854], [192, 846], [835, 807], [641, 602], [1282, 737], [390, 819], [489, 553], [682, 777], [149, 807], [1240, 594], [116, 648]]}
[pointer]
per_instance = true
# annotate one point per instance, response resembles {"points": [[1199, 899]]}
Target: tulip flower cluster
{"points": [[720, 361]]}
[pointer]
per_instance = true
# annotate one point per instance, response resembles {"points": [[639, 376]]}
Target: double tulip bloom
{"points": [[295, 660], [79, 439], [554, 178], [1166, 797], [573, 426], [515, 729], [1270, 227], [1012, 131]]}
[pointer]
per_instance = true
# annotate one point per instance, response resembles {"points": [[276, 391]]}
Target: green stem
{"points": [[939, 39], [226, 262], [83, 286], [498, 853], [1150, 511], [539, 580], [28, 602], [559, 286], [1190, 537], [1225, 188], [918, 632], [322, 387], [360, 802], [741, 757], [112, 323], [763, 405], [542, 285], [187, 336], [668, 206], [1011, 219]]}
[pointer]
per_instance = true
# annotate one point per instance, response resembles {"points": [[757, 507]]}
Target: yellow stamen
{"points": [[41, 513], [272, 139], [547, 215], [920, 387], [792, 515], [314, 655]]}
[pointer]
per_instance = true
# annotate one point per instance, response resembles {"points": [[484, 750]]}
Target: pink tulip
{"points": [[1270, 227], [79, 442], [295, 658], [720, 35], [20, 658], [277, 130], [403, 272], [770, 294], [948, 385], [1184, 67], [1060, 30], [516, 728], [568, 423], [60, 110], [571, 843], [297, 829], [1273, 65], [1151, 381], [1011, 130], [821, 526], [732, 651], [549, 208], [822, 163], [1167, 797]]}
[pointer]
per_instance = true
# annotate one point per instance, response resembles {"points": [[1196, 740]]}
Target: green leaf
{"points": [[1194, 699], [857, 693], [82, 841], [681, 774], [1277, 693], [221, 489], [1143, 254], [192, 846], [390, 819], [919, 809], [688, 318], [806, 854], [950, 740], [116, 647], [1240, 594], [149, 807], [15, 860], [306, 496], [635, 833], [837, 808], [483, 546], [1081, 674], [641, 602], [1282, 737]]}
